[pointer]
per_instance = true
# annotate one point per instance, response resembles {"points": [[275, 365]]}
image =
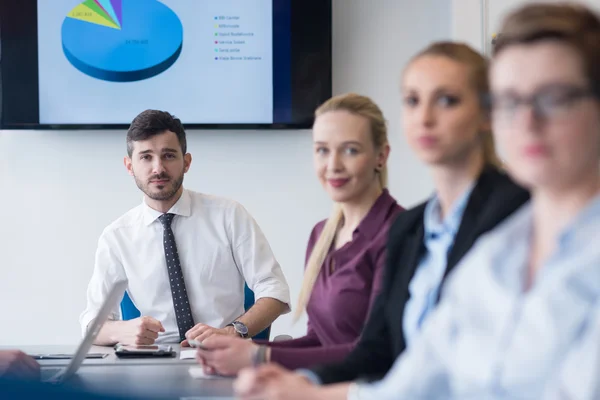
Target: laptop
{"points": [[61, 374]]}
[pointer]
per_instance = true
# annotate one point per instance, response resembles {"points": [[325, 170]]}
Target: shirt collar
{"points": [[432, 216], [372, 222], [182, 207], [583, 227], [516, 236]]}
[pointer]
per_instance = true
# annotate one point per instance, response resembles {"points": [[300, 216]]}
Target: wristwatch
{"points": [[240, 328]]}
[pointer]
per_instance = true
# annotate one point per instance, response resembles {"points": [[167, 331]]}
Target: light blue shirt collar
{"points": [[573, 238], [425, 284], [432, 219], [582, 228]]}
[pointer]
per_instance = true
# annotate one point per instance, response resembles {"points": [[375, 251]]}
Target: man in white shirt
{"points": [[185, 255]]}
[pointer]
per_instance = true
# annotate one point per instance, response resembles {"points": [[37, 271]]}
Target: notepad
{"points": [[187, 354], [197, 372]]}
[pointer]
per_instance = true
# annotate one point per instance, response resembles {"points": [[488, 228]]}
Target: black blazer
{"points": [[493, 198]]}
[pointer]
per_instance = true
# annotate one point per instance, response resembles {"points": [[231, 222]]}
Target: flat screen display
{"points": [[213, 63]]}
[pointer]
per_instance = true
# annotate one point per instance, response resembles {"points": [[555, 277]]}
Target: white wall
{"points": [[467, 22], [475, 21], [60, 189]]}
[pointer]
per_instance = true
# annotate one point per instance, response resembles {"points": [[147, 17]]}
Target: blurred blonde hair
{"points": [[364, 107]]}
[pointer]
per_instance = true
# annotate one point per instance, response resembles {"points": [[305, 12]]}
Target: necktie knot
{"points": [[166, 220]]}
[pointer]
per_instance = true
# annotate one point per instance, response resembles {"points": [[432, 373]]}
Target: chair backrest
{"points": [[249, 302], [130, 311]]}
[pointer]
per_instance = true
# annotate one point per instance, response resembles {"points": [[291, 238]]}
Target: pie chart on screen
{"points": [[122, 40]]}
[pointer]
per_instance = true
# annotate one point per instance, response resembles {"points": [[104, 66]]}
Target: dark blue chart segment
{"points": [[148, 42]]}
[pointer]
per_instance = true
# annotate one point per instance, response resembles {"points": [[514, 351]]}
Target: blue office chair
{"points": [[130, 311], [249, 302]]}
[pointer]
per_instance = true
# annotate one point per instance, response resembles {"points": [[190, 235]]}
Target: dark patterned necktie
{"points": [[183, 312]]}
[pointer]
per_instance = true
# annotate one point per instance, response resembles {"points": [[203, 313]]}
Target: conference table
{"points": [[148, 378]]}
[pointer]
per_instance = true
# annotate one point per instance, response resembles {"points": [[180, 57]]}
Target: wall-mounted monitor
{"points": [[95, 64]]}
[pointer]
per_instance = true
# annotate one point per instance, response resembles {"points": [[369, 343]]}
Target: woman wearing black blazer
{"points": [[494, 197], [447, 124]]}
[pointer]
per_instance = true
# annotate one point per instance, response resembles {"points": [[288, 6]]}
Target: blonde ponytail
{"points": [[364, 107], [383, 177], [317, 258]]}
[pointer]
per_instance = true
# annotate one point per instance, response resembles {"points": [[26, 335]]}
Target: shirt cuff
{"points": [[310, 375], [281, 296], [87, 318]]}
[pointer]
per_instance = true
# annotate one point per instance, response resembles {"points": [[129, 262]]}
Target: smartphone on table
{"points": [[139, 351]]}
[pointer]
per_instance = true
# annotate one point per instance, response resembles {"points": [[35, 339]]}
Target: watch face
{"points": [[241, 328]]}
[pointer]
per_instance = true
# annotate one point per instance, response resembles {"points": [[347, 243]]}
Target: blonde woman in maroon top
{"points": [[345, 254]]}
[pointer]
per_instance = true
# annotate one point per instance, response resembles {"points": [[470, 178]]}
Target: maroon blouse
{"points": [[340, 300]]}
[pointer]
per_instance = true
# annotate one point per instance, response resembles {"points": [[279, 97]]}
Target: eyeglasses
{"points": [[550, 102]]}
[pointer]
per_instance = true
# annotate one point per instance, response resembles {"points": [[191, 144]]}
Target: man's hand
{"points": [[142, 330], [202, 331], [16, 364]]}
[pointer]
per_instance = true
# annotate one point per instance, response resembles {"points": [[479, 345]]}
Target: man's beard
{"points": [[162, 195]]}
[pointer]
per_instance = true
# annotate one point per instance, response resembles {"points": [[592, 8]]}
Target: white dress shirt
{"points": [[220, 247], [491, 339]]}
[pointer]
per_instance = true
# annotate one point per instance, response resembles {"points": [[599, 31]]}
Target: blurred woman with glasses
{"points": [[520, 317]]}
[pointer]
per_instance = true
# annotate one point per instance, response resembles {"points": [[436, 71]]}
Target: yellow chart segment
{"points": [[85, 13]]}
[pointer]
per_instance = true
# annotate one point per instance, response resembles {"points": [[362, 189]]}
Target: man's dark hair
{"points": [[154, 122]]}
